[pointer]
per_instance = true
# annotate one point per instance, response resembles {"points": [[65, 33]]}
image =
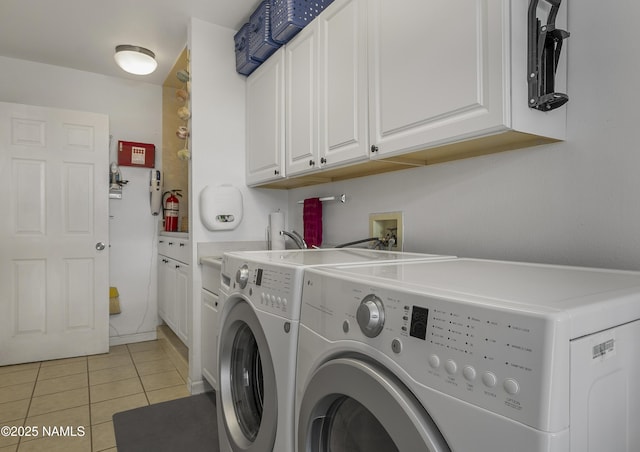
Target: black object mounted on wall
{"points": [[544, 48]]}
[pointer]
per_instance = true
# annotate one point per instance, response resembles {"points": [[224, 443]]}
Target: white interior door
{"points": [[54, 256]]}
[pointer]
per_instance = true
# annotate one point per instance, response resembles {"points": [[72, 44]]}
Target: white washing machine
{"points": [[258, 341], [468, 356]]}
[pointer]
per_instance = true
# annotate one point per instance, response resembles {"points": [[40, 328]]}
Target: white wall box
{"points": [[446, 80], [265, 121], [174, 285]]}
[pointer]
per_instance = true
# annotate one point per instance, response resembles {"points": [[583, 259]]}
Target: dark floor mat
{"points": [[187, 424]]}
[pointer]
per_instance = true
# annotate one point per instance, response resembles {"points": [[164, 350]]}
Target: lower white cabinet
{"points": [[174, 287], [167, 291], [209, 317], [210, 337], [182, 302]]}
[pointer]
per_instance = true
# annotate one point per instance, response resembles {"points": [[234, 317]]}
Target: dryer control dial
{"points": [[242, 276], [370, 315]]}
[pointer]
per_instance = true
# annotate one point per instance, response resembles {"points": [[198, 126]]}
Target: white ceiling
{"points": [[82, 34]]}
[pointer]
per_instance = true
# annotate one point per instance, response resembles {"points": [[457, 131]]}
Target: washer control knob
{"points": [[489, 379], [242, 276], [451, 367], [511, 386], [370, 315]]}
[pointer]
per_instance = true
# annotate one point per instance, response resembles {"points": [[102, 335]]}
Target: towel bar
{"points": [[342, 198]]}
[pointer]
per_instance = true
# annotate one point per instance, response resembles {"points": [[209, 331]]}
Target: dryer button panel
{"points": [[275, 290], [488, 357]]}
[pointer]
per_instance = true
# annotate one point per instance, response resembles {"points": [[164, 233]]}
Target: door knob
{"points": [[100, 246]]}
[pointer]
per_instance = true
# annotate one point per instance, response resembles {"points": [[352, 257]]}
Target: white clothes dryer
{"points": [[258, 337], [468, 356]]}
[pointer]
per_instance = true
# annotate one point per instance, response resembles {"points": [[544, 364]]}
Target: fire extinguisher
{"points": [[171, 210]]}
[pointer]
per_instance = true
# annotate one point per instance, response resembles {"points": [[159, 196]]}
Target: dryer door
{"points": [[247, 381], [351, 405]]}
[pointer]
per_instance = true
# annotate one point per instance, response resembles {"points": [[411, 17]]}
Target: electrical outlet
{"points": [[387, 226]]}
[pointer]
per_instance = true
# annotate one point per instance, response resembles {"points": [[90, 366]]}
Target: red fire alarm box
{"points": [[136, 154]]}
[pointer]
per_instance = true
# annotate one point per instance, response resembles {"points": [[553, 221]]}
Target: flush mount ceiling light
{"points": [[136, 60]]}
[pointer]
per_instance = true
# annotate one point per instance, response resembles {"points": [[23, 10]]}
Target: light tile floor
{"points": [[86, 392]]}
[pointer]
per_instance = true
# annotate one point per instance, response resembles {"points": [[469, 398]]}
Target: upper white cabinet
{"points": [[375, 86], [436, 71], [443, 72], [301, 111], [265, 121], [326, 80]]}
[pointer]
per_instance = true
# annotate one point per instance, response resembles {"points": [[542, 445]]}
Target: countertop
{"points": [[213, 261], [217, 249], [180, 235]]}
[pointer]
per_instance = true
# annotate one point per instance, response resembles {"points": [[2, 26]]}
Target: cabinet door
{"points": [[167, 291], [210, 338], [182, 301], [437, 71], [265, 121], [301, 64], [343, 82], [162, 288]]}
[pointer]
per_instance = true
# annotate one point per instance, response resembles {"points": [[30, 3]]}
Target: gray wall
{"points": [[575, 202]]}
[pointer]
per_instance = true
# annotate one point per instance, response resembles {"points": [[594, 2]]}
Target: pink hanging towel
{"points": [[312, 218]]}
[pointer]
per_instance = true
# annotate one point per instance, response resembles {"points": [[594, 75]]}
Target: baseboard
{"points": [[196, 387], [132, 338]]}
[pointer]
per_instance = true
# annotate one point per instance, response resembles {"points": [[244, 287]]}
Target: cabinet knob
{"points": [[276, 172], [374, 148], [177, 266], [182, 244], [311, 163], [170, 243], [323, 160]]}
